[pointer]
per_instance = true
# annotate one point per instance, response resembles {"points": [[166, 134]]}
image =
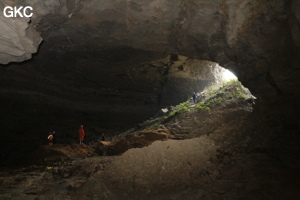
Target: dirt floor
{"points": [[224, 154]]}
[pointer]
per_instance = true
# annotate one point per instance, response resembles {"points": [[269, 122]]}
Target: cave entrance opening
{"points": [[175, 78], [217, 90], [220, 98], [228, 75]]}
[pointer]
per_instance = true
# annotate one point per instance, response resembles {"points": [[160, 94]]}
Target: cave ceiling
{"points": [[257, 40], [245, 36]]}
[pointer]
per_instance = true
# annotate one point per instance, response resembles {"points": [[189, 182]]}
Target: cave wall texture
{"points": [[96, 59]]}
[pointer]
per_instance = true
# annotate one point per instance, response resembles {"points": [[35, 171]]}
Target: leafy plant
{"points": [[232, 89], [214, 101], [179, 110], [233, 82], [203, 106]]}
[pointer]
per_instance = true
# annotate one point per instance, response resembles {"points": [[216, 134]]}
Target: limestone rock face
{"points": [[294, 19], [19, 36], [242, 35], [18, 41], [174, 81]]}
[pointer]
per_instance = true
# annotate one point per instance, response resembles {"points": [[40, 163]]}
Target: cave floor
{"points": [[160, 174], [230, 153]]}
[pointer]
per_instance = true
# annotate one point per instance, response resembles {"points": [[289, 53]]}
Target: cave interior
{"points": [[111, 65]]}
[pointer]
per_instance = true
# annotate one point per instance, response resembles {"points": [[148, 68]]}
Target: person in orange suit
{"points": [[50, 138], [81, 134]]}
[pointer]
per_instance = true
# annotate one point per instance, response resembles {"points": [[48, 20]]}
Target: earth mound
{"points": [[136, 140], [60, 152]]}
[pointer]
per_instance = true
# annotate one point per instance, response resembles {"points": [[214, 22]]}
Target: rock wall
{"points": [[18, 41], [294, 19], [106, 93], [243, 35], [21, 36], [175, 78], [92, 48], [97, 92], [251, 38]]}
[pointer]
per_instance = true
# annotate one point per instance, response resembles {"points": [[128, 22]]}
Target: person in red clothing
{"points": [[81, 134]]}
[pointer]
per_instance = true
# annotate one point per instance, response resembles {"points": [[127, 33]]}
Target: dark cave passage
{"points": [[108, 93]]}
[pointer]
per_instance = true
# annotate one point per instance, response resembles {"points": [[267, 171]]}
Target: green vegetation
{"points": [[181, 108], [215, 96], [215, 101], [239, 94], [183, 104], [205, 105], [202, 106], [153, 126], [229, 91], [212, 90]]}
